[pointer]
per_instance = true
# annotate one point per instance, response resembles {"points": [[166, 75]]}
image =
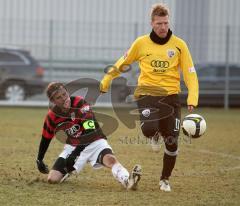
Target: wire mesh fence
{"points": [[84, 41], [70, 49]]}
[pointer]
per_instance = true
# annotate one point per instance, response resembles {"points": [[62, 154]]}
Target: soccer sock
{"points": [[120, 173], [168, 165]]}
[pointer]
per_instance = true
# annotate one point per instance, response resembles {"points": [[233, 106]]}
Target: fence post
{"points": [[50, 50], [135, 30], [226, 93]]}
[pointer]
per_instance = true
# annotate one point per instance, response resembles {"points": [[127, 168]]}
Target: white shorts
{"points": [[67, 150], [90, 154]]}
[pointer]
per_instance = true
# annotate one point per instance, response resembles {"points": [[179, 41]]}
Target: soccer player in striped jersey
{"points": [[161, 56], [85, 140]]}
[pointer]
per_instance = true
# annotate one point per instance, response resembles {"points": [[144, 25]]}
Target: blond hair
{"points": [[159, 9]]}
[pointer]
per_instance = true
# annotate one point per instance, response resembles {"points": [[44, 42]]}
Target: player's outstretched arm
{"points": [[42, 167]]}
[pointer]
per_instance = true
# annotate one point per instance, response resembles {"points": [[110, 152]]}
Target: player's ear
{"points": [[51, 99], [151, 23], [65, 87], [51, 104]]}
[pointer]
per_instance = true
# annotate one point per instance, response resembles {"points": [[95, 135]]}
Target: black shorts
{"points": [[66, 165], [162, 114], [102, 154], [60, 165]]}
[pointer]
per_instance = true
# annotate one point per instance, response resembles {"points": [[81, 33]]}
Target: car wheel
{"points": [[14, 91]]}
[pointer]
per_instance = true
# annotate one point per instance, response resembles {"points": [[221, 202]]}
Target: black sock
{"points": [[168, 165]]}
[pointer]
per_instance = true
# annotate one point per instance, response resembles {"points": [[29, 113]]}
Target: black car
{"points": [[21, 76], [212, 84]]}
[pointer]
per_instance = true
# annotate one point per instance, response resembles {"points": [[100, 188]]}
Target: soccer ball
{"points": [[194, 125]]}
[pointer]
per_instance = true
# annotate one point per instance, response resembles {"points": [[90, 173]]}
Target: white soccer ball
{"points": [[194, 125]]}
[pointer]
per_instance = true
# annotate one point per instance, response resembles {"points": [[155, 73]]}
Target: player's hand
{"points": [[103, 87], [190, 108], [42, 167], [101, 92]]}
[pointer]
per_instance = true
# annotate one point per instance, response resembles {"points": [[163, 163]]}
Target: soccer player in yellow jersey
{"points": [[161, 57]]}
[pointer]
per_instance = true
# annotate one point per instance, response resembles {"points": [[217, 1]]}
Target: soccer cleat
{"points": [[134, 177], [164, 185], [155, 144]]}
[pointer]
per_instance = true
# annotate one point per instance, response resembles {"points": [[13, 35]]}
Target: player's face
{"points": [[160, 25], [62, 99]]}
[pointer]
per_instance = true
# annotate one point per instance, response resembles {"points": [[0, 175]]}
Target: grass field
{"points": [[207, 170]]}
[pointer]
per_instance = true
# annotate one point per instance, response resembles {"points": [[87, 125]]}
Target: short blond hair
{"points": [[159, 9]]}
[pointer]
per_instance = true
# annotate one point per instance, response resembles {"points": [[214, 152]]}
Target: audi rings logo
{"points": [[160, 64]]}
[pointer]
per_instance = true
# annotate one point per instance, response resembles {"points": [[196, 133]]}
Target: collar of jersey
{"points": [[156, 39]]}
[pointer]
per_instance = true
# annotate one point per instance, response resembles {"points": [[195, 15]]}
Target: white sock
{"points": [[120, 173]]}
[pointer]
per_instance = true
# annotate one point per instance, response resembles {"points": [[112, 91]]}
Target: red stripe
{"points": [[46, 134], [49, 126], [52, 115], [76, 100]]}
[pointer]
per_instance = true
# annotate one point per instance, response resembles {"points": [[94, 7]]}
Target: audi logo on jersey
{"points": [[159, 63], [73, 131]]}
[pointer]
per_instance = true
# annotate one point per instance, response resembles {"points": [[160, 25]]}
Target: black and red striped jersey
{"points": [[79, 123]]}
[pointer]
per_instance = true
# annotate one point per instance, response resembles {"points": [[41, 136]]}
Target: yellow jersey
{"points": [[160, 66]]}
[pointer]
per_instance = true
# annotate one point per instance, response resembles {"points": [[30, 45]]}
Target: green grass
{"points": [[207, 170]]}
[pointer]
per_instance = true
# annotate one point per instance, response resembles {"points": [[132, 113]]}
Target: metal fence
{"points": [[75, 48], [98, 42]]}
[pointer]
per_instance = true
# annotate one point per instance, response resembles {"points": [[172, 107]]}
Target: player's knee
{"points": [[53, 180], [170, 141], [171, 146], [109, 160], [54, 177], [149, 131]]}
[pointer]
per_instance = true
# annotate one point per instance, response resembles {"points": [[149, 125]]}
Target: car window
{"points": [[220, 71], [234, 71], [217, 71], [206, 71], [12, 58]]}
